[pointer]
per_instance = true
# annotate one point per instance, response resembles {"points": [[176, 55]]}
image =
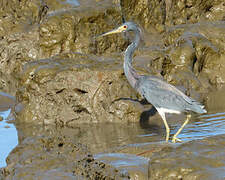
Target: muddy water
{"points": [[106, 137], [124, 145], [135, 147]]}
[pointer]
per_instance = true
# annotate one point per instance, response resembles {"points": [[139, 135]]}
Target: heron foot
{"points": [[175, 139]]}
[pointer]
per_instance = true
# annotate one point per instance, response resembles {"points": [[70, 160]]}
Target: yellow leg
{"points": [[162, 114], [178, 132]]}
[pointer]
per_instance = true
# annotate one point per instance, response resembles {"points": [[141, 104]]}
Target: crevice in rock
{"points": [[80, 109], [80, 91], [59, 91]]}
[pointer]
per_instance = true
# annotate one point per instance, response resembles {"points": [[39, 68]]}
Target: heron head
{"points": [[127, 26]]}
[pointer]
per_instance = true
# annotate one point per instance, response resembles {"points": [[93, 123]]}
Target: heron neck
{"points": [[129, 71]]}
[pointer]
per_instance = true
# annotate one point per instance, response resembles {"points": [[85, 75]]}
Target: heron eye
{"points": [[125, 27]]}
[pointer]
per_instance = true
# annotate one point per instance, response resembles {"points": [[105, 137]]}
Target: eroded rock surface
{"points": [[194, 160], [74, 29], [67, 92], [155, 14]]}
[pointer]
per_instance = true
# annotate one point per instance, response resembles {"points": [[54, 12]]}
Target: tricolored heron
{"points": [[163, 96]]}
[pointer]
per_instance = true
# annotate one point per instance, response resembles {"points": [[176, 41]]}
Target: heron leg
{"points": [[162, 114], [178, 132]]}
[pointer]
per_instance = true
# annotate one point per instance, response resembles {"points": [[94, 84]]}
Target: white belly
{"points": [[169, 111]]}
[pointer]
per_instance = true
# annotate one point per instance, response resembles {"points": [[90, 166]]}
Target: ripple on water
{"points": [[204, 126]]}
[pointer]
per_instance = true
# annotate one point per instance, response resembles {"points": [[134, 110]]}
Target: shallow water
{"points": [[73, 2], [105, 137], [208, 125], [8, 137]]}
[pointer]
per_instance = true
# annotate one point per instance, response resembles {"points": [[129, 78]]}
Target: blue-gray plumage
{"points": [[163, 96]]}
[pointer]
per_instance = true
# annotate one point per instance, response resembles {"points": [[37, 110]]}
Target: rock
{"points": [[16, 50], [19, 16], [185, 64], [153, 15], [193, 160], [75, 29], [199, 49], [79, 90], [58, 28], [7, 83], [149, 14]]}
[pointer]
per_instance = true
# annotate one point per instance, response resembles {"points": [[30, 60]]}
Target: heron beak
{"points": [[114, 31]]}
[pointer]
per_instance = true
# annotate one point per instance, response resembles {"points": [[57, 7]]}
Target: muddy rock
{"points": [[39, 30], [18, 16], [153, 15], [7, 84], [71, 91], [197, 50], [196, 159], [15, 51], [186, 161], [47, 153], [18, 39], [193, 11], [149, 14], [75, 29]]}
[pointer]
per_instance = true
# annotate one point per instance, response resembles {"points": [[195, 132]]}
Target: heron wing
{"points": [[161, 94]]}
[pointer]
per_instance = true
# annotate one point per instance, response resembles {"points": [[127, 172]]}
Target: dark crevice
{"points": [[208, 8], [80, 109], [59, 91], [60, 145], [80, 91], [188, 6]]}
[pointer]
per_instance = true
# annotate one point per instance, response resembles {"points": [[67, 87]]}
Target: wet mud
{"points": [[47, 152], [70, 90]]}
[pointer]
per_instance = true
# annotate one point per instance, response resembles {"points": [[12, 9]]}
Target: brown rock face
{"points": [[200, 50], [70, 92], [193, 160], [74, 29], [155, 14]]}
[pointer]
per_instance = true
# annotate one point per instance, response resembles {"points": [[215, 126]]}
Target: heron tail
{"points": [[197, 107]]}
